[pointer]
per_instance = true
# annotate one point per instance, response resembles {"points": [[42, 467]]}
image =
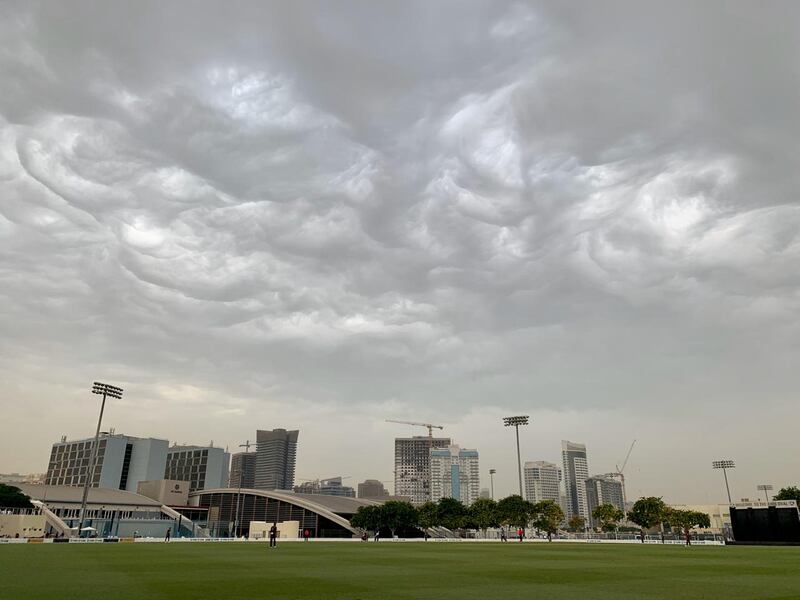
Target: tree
{"points": [[547, 517], [788, 493], [647, 513], [608, 516], [12, 497], [452, 513], [428, 515], [395, 515], [483, 513], [367, 517], [576, 523], [514, 511], [686, 520]]}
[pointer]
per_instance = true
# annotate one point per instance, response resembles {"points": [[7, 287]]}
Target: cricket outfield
{"points": [[395, 570]]}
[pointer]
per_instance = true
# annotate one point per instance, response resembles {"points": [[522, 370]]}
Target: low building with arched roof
{"points": [[227, 512]]}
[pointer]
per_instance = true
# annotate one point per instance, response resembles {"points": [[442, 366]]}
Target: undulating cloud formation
{"points": [[325, 214]]}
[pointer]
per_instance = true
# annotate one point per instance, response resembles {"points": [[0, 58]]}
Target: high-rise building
{"points": [[243, 470], [204, 467], [276, 454], [602, 489], [372, 488], [542, 481], [455, 474], [485, 493], [412, 466], [326, 487], [576, 472], [122, 461]]}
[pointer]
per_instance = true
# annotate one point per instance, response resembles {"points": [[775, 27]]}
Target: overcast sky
{"points": [[322, 215]]}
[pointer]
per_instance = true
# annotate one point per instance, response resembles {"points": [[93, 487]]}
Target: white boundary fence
{"points": [[356, 540]]}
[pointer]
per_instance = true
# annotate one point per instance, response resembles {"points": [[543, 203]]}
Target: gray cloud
{"points": [[265, 214]]}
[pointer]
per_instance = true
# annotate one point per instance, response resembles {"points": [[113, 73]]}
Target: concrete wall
{"points": [[27, 526], [167, 491], [286, 529]]}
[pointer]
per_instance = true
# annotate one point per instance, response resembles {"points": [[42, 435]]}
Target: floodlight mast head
{"points": [[515, 421], [723, 464], [107, 390]]}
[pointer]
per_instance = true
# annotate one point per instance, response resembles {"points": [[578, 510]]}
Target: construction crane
{"points": [[431, 427], [627, 456], [620, 471]]}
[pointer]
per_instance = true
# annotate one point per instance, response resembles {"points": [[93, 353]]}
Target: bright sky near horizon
{"points": [[320, 215]]}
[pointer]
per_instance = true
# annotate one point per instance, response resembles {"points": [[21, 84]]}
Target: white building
{"points": [[542, 481], [276, 455], [576, 472], [122, 461], [455, 474], [204, 467]]}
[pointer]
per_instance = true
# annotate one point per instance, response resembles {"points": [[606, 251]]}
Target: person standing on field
{"points": [[273, 535], [169, 533]]}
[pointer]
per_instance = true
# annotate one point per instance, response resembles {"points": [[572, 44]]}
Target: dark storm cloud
{"points": [[272, 209]]}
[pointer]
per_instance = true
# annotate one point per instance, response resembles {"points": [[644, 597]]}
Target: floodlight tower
{"points": [[724, 465], [106, 390], [491, 479], [765, 487], [515, 422]]}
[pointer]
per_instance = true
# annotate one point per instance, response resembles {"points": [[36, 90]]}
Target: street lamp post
{"points": [[491, 480], [515, 422], [765, 487], [724, 465], [106, 390]]}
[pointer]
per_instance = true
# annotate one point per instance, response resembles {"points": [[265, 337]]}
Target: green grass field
{"points": [[387, 570]]}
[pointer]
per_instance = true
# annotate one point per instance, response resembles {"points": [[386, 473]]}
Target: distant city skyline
{"points": [[325, 215], [505, 483]]}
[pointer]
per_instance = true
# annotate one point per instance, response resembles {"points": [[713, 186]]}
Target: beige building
{"points": [[718, 514], [167, 491], [21, 523]]}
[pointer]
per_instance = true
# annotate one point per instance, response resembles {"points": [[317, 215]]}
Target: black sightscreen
{"points": [[771, 524]]}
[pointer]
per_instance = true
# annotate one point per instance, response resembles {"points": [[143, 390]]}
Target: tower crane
{"points": [[430, 427], [620, 471]]}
